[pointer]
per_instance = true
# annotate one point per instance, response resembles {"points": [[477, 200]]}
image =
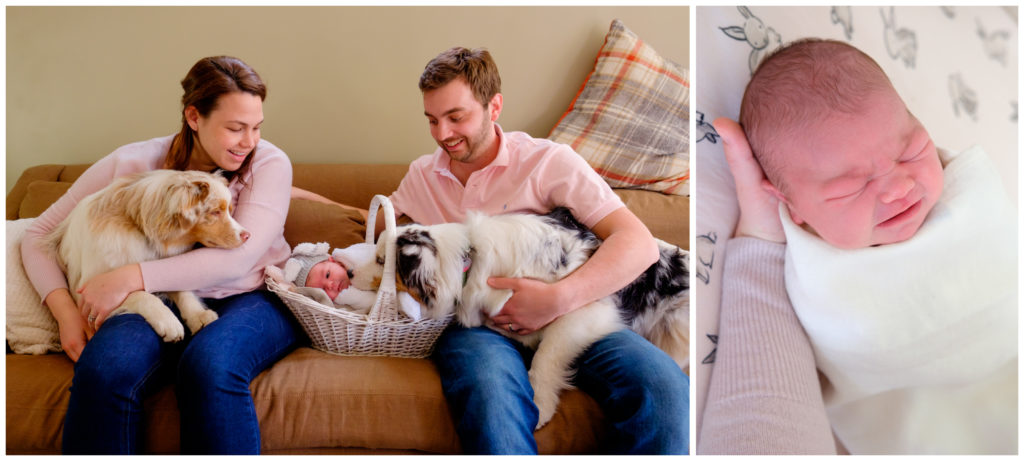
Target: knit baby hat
{"points": [[304, 257]]}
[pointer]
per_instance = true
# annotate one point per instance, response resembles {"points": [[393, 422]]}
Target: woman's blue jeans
{"points": [[126, 361], [642, 392]]}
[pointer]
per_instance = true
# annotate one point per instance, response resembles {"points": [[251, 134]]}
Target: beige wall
{"points": [[82, 81]]}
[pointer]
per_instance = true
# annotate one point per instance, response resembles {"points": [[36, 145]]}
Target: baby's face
{"points": [[329, 275], [864, 179]]}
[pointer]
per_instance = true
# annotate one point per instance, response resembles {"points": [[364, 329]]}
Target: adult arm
{"points": [[307, 195], [627, 251], [764, 396], [261, 208], [42, 267]]}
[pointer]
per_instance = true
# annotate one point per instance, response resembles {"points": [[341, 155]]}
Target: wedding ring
{"points": [[509, 326], [92, 318]]}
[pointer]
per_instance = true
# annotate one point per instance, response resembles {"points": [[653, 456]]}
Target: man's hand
{"points": [[533, 304], [759, 206]]}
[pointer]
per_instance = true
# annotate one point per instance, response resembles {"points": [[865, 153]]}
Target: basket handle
{"points": [[387, 280], [371, 218]]}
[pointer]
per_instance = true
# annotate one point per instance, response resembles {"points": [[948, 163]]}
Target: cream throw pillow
{"points": [[30, 327]]}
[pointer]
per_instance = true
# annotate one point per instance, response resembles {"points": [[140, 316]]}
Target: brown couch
{"points": [[310, 401]]}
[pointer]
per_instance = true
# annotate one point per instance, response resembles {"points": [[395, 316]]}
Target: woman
{"points": [[120, 360]]}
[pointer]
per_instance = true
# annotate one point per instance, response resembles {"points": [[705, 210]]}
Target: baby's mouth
{"points": [[903, 216]]}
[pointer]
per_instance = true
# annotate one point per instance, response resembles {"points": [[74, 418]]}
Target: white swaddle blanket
{"points": [[919, 339]]}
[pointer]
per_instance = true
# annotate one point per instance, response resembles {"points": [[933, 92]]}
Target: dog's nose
{"points": [[244, 235], [349, 273]]}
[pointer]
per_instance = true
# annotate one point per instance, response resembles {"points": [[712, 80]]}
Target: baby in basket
{"points": [[324, 277], [900, 258]]}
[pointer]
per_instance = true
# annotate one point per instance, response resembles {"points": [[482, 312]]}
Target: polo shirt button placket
{"points": [[472, 198]]}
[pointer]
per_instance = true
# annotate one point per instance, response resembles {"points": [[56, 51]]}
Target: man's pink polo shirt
{"points": [[528, 175]]}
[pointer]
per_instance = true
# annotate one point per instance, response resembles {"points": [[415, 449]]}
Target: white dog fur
{"points": [[435, 261], [143, 217]]}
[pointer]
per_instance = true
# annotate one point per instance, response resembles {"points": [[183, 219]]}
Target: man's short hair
{"points": [[799, 84], [476, 66]]}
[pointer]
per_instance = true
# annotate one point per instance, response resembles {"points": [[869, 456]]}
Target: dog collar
{"points": [[467, 261]]}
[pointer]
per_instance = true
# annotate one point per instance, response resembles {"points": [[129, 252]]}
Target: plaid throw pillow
{"points": [[631, 118]]}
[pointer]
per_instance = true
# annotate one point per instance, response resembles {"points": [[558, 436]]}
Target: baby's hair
{"points": [[799, 84]]}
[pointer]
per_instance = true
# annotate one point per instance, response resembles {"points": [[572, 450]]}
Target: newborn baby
{"points": [[902, 274], [325, 277]]}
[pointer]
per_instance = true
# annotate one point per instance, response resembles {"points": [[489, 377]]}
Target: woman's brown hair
{"points": [[204, 84]]}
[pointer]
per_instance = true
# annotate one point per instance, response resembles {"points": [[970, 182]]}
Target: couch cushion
{"points": [[311, 221], [314, 399], [306, 401], [666, 216], [631, 118], [37, 399], [385, 403], [39, 196], [351, 184]]}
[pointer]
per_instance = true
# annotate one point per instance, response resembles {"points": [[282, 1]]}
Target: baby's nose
{"points": [[899, 186]]}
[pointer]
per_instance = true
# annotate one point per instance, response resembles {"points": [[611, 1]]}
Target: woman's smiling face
{"points": [[229, 134]]}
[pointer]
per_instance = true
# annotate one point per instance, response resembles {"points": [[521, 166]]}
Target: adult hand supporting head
{"points": [[759, 204]]}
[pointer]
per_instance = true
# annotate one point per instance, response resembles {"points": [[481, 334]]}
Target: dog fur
{"points": [[446, 268], [143, 217]]}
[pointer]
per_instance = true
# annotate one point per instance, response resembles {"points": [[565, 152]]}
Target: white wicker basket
{"points": [[382, 331]]}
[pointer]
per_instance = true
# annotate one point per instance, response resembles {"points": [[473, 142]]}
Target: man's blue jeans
{"points": [[126, 361], [642, 392]]}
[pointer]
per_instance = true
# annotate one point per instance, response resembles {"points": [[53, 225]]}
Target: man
{"points": [[643, 393]]}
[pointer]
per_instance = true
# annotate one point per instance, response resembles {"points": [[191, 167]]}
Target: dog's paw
{"points": [[201, 319], [546, 399], [545, 413], [169, 329]]}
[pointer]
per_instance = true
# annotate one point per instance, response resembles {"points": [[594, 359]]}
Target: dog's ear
{"points": [[180, 221], [415, 276], [416, 267], [198, 192]]}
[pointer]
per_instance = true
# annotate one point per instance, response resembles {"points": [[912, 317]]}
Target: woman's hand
{"points": [[759, 205], [73, 335], [103, 293], [533, 304], [74, 330]]}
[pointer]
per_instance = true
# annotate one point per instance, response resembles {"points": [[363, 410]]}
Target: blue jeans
{"points": [[126, 361], [641, 391]]}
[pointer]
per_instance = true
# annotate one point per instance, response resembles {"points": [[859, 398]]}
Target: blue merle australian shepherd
{"points": [[446, 268]]}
